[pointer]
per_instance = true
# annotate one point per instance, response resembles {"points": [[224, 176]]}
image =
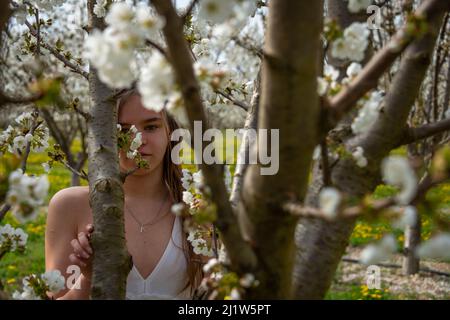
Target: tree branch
{"points": [[367, 79], [425, 131], [73, 67], [157, 47], [241, 254], [370, 209], [236, 102], [28, 146], [246, 143], [4, 99]]}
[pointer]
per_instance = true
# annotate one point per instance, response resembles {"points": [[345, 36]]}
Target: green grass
{"points": [[359, 292]]}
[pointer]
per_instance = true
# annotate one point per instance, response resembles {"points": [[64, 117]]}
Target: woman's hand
{"points": [[82, 251]]}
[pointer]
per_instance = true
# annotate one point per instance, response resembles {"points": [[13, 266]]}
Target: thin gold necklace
{"points": [[142, 225]]}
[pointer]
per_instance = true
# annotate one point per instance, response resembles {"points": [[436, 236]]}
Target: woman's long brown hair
{"points": [[172, 177]]}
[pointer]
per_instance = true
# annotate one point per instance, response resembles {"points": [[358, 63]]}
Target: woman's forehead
{"points": [[132, 111]]}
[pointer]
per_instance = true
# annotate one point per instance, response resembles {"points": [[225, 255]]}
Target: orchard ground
{"points": [[349, 281]]}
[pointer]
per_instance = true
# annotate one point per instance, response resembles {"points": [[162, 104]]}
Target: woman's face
{"points": [[154, 137]]}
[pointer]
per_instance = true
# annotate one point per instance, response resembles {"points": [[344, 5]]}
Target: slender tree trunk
{"points": [[411, 263], [247, 144], [112, 262]]}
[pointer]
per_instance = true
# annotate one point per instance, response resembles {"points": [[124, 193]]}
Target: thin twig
{"points": [[75, 68], [188, 10], [4, 99], [157, 47], [4, 210], [28, 147], [81, 174], [236, 102]]}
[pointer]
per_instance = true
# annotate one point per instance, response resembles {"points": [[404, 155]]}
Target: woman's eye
{"points": [[151, 127]]}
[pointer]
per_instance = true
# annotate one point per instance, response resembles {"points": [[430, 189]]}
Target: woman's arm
{"points": [[64, 210]]}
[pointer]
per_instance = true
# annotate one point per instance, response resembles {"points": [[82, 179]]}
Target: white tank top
{"points": [[169, 276]]}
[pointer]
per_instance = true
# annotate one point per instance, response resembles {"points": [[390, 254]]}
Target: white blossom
{"points": [[329, 79], [12, 239], [375, 253], [353, 69], [198, 180], [407, 219], [355, 6], [358, 155], [329, 200], [210, 265], [368, 114], [188, 198], [120, 15], [132, 154], [331, 72], [223, 255], [156, 82], [186, 179], [438, 247], [216, 11], [199, 244], [149, 22], [235, 294], [27, 294], [100, 8], [353, 44], [247, 280], [137, 142], [177, 209], [110, 52], [133, 129], [54, 280], [26, 194], [397, 171], [200, 247]]}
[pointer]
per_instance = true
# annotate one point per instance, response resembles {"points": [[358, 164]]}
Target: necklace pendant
{"points": [[142, 229]]}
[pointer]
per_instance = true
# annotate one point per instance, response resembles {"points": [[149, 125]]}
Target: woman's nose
{"points": [[144, 141]]}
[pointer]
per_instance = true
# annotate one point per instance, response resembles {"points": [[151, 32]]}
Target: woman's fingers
{"points": [[84, 241], [75, 260], [78, 249], [89, 230]]}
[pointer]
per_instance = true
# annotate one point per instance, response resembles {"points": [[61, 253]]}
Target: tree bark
{"points": [[290, 103], [247, 144], [322, 243], [111, 263], [411, 263]]}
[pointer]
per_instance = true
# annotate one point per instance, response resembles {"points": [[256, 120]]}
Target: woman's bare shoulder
{"points": [[70, 198]]}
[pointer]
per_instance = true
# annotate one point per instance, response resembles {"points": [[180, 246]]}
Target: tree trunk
{"points": [[290, 103], [111, 263], [411, 263]]}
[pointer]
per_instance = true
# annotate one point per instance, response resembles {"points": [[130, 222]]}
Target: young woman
{"points": [[164, 265]]}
